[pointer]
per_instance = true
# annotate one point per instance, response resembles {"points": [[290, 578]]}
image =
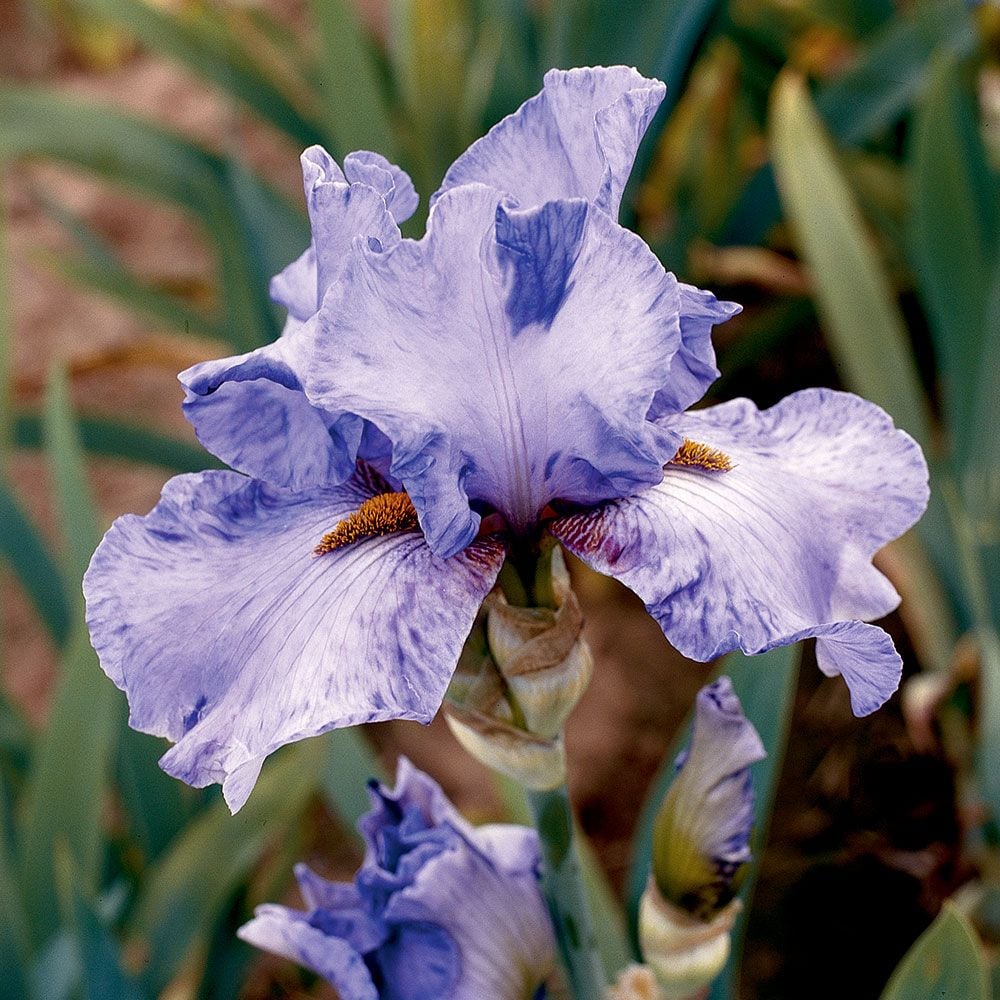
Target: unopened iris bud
{"points": [[701, 845], [540, 654], [484, 723], [509, 701], [685, 952]]}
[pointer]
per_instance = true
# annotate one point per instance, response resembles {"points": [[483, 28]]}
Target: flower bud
{"points": [[539, 652], [635, 982], [511, 695], [701, 844], [701, 838], [438, 909], [533, 761], [685, 952]]}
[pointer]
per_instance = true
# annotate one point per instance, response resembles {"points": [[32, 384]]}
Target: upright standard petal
{"points": [[510, 357], [576, 139], [343, 208], [775, 543], [231, 638], [693, 368], [250, 410]]}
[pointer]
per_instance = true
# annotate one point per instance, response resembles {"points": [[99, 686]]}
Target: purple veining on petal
{"points": [[231, 638], [780, 547], [511, 358]]}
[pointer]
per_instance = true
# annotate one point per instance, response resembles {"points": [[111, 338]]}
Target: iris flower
{"points": [[435, 406], [438, 911]]}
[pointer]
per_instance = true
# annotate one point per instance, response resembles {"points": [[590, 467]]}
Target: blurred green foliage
{"points": [[946, 961], [829, 162]]}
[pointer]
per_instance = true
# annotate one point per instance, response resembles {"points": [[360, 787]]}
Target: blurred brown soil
{"points": [[864, 839]]}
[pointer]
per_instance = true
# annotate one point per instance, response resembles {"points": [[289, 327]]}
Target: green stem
{"points": [[562, 882]]}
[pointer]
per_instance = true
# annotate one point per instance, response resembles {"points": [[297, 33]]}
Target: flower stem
{"points": [[562, 882]]}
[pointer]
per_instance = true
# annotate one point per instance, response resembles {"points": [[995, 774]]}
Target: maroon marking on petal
{"points": [[582, 533]]}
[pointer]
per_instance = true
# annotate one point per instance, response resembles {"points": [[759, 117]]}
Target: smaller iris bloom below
{"points": [[439, 910], [435, 407]]}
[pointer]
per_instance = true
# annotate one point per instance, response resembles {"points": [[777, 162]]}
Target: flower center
{"points": [[702, 456], [384, 514]]}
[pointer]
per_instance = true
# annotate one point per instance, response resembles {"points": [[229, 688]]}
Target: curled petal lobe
{"points": [[779, 547], [849, 649], [576, 139], [394, 184], [250, 410], [369, 197], [288, 933], [231, 638], [466, 351], [340, 211], [693, 368]]}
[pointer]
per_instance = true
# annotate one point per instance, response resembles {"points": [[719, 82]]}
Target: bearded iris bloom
{"points": [[438, 911], [524, 368]]}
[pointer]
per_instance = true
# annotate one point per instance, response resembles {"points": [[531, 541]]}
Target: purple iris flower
{"points": [[523, 368], [439, 910]]}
